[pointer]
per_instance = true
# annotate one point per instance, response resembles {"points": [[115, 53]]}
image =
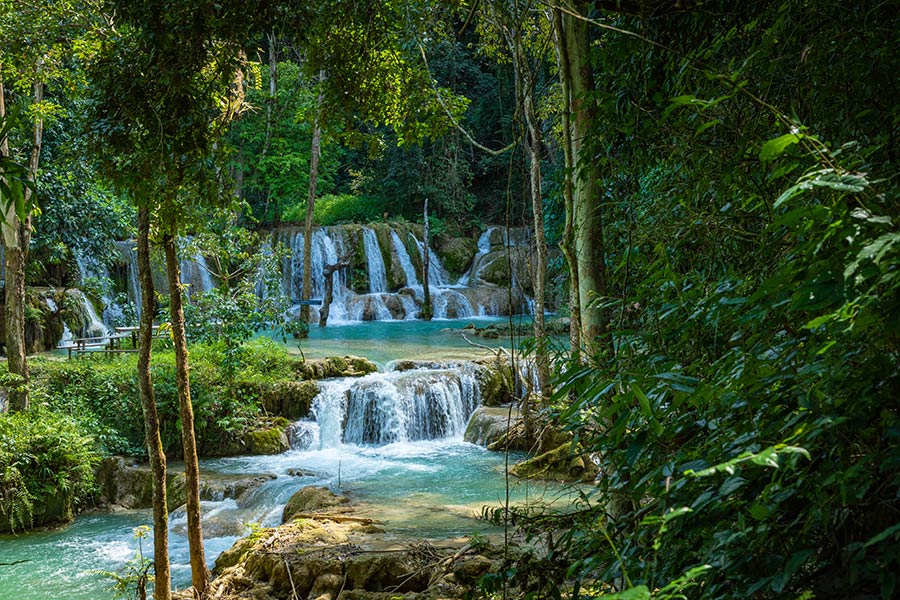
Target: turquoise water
{"points": [[383, 341], [433, 489]]}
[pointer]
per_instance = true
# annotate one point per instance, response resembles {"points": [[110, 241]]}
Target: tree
{"points": [[36, 41], [153, 440], [159, 134], [583, 239], [521, 30]]}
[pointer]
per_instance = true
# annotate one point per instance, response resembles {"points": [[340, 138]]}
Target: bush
{"points": [[332, 209], [46, 459]]}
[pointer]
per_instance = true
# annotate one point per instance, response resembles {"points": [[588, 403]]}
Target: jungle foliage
{"points": [[746, 417]]}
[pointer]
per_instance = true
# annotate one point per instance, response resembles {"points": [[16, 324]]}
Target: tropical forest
{"points": [[460, 299]]}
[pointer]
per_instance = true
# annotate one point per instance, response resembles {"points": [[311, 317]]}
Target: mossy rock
{"points": [[559, 464], [312, 499], [131, 486], [456, 254], [269, 439], [336, 366], [289, 399], [494, 379], [496, 271]]}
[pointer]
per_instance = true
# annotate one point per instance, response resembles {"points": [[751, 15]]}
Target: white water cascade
{"points": [[67, 336], [377, 275], [383, 408], [405, 262], [484, 248]]}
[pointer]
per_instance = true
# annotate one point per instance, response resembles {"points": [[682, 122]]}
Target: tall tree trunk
{"points": [[151, 420], [427, 309], [587, 233], [16, 237], [310, 207], [199, 571], [567, 244], [524, 84]]}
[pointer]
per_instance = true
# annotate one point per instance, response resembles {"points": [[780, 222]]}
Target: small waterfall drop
{"points": [[67, 336], [377, 273], [405, 262], [484, 248], [384, 408]]}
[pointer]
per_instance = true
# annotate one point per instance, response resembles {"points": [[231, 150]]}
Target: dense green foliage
{"points": [[103, 395], [45, 457], [747, 420]]}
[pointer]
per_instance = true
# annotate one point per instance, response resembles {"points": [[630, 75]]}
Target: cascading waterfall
{"points": [[383, 408], [195, 273], [377, 274], [67, 336], [484, 248], [405, 262], [469, 297]]}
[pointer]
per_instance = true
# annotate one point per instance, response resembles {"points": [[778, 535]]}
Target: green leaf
{"points": [[890, 531], [776, 147], [640, 592], [707, 125]]}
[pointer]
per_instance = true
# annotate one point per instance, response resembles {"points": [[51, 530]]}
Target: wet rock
{"points": [[456, 254], [313, 499], [219, 487], [488, 424], [269, 439], [307, 473], [395, 306], [127, 485], [288, 399], [558, 464], [336, 366]]}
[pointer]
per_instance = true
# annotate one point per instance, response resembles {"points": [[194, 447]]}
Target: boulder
{"points": [[336, 366], [558, 464], [269, 439], [127, 485], [489, 424], [313, 499], [456, 254]]}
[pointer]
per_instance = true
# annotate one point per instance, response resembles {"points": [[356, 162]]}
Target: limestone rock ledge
{"points": [[335, 555]]}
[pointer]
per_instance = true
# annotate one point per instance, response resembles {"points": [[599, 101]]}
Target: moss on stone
{"points": [[456, 254], [270, 439], [558, 464], [312, 499]]}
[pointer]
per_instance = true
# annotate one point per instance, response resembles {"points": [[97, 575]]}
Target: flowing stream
{"points": [[391, 440]]}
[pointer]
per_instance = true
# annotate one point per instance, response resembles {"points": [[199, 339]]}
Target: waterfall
{"points": [[405, 261], [437, 275], [67, 336], [377, 274], [484, 248], [94, 325], [195, 273], [382, 408], [129, 253], [325, 250]]}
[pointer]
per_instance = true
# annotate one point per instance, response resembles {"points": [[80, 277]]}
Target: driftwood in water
{"points": [[328, 271]]}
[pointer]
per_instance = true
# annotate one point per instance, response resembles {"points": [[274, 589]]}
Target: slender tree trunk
{"points": [[567, 244], [524, 83], [310, 207], [427, 309], [199, 571], [16, 237], [151, 420], [587, 226]]}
